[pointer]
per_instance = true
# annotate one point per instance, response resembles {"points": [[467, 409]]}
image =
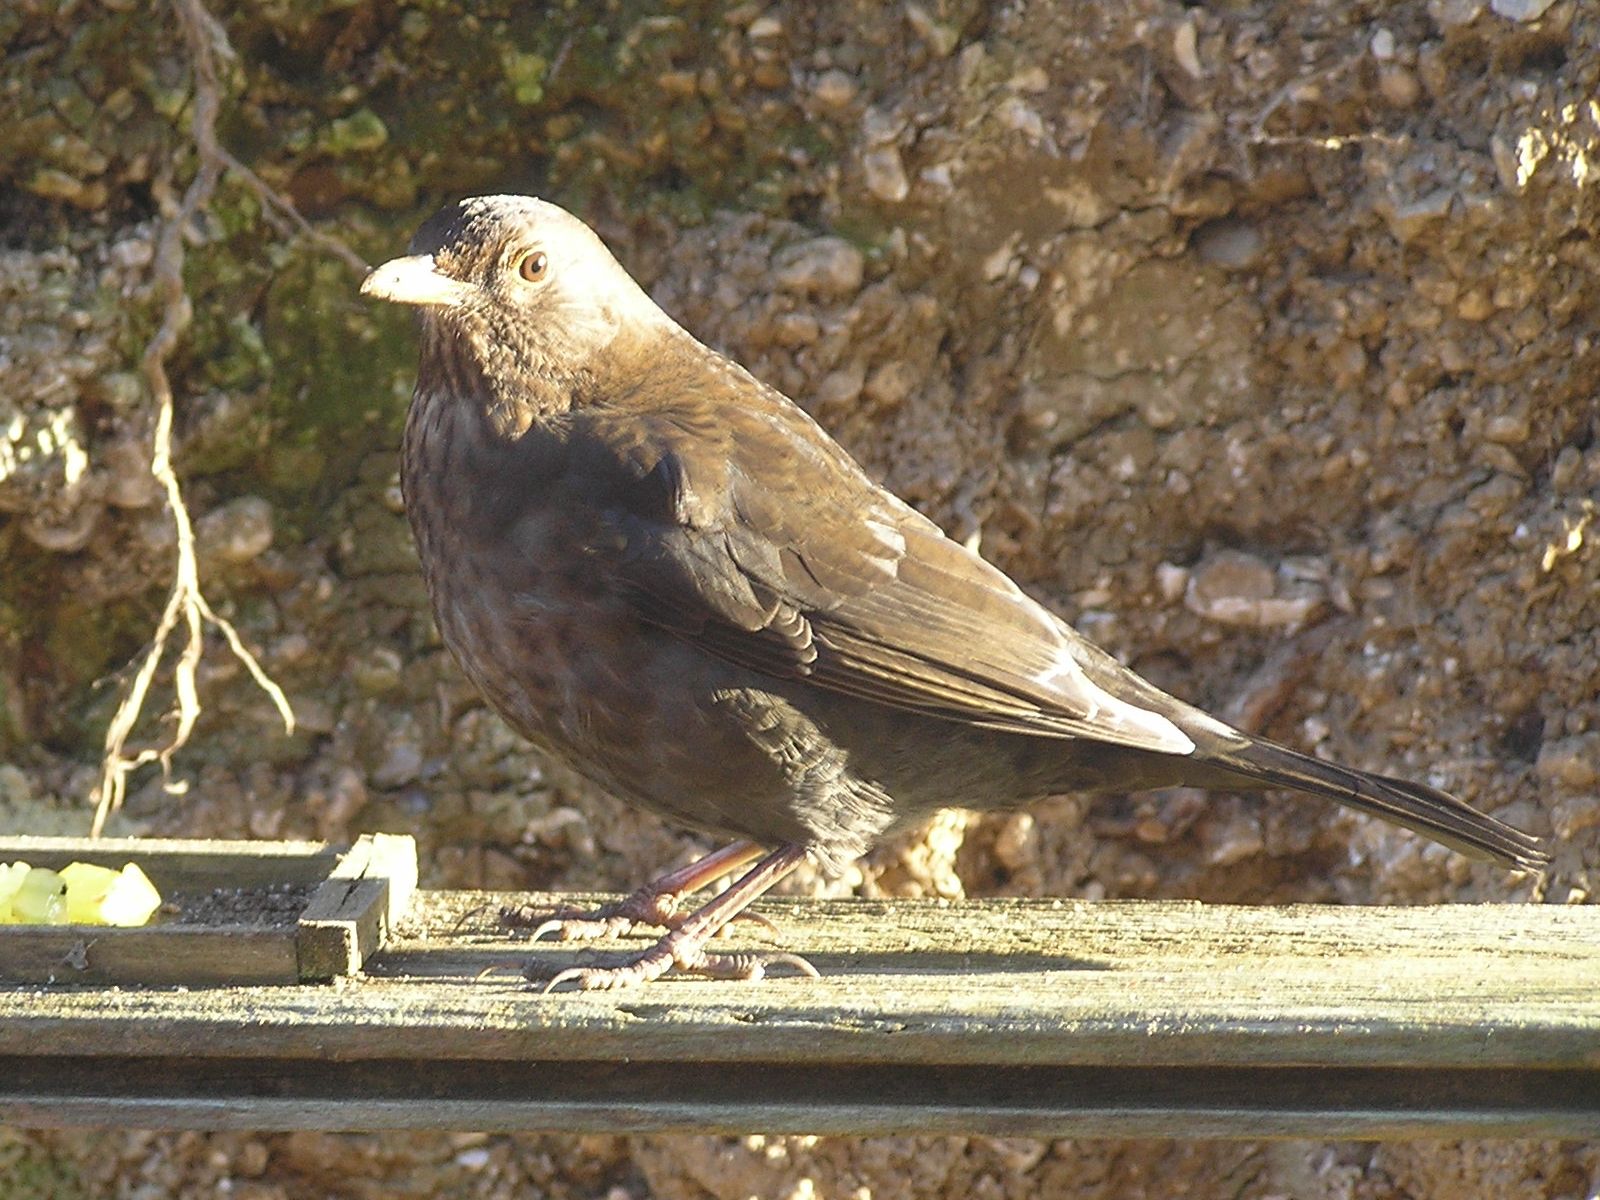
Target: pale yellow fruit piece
{"points": [[101, 896], [87, 888], [11, 877], [132, 900], [41, 900]]}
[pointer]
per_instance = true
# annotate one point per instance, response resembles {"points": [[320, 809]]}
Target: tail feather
{"points": [[1425, 810]]}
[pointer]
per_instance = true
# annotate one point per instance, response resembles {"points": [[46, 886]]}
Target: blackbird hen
{"points": [[666, 576]]}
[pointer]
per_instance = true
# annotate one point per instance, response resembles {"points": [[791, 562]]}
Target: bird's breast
{"points": [[519, 595]]}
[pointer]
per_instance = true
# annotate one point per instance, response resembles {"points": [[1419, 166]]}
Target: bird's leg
{"points": [[656, 905], [685, 946]]}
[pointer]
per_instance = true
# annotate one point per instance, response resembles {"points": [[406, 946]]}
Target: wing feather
{"points": [[762, 541]]}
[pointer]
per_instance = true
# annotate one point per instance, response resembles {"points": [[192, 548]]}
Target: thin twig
{"points": [[284, 208], [187, 605]]}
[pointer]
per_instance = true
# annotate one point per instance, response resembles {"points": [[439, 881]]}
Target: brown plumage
{"points": [[664, 574]]}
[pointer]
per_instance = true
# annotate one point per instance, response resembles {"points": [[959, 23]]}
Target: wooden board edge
{"points": [[154, 956], [352, 912]]}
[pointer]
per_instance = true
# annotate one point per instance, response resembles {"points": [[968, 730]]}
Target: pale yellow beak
{"points": [[415, 279]]}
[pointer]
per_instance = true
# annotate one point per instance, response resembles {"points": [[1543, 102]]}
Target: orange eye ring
{"points": [[534, 266]]}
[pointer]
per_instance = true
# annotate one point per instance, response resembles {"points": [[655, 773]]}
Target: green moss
{"points": [[524, 75], [331, 350], [569, 104], [361, 132], [246, 361], [70, 645]]}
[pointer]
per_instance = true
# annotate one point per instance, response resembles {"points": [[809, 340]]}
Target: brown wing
{"points": [[754, 535]]}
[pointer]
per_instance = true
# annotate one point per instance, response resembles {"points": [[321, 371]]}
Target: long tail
{"points": [[1428, 811]]}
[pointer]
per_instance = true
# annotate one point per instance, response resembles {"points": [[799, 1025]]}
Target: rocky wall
{"points": [[1257, 338]]}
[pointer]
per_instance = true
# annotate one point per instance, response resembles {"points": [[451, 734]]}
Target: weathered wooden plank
{"points": [[158, 957], [1012, 1016], [820, 1098], [1470, 986]]}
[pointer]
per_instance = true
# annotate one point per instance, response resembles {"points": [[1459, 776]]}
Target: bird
{"points": [[666, 576]]}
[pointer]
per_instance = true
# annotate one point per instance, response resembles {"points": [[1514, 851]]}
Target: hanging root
{"points": [[207, 45]]}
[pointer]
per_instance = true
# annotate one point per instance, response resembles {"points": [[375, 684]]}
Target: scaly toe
{"points": [[747, 965], [641, 912], [647, 967], [585, 929]]}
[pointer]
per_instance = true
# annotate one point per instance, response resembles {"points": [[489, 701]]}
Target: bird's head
{"points": [[515, 276]]}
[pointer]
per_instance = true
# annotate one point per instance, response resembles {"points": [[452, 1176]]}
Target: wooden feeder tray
{"points": [[236, 913]]}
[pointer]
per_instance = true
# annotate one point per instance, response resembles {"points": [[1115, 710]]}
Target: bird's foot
{"points": [[645, 909], [657, 905], [689, 956], [684, 947]]}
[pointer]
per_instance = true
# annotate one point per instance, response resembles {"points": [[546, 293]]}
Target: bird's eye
{"points": [[534, 266]]}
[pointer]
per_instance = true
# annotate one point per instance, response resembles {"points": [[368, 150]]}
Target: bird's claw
{"points": [[754, 918], [752, 965]]}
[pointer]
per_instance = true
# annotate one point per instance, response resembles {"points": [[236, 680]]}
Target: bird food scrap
{"points": [[79, 894]]}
